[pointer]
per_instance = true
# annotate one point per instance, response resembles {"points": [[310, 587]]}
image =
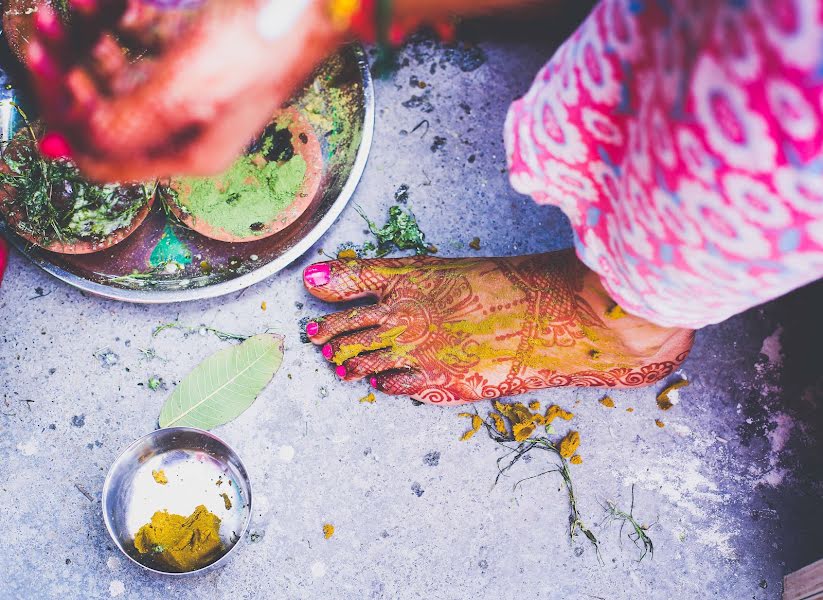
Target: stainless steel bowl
{"points": [[193, 462]]}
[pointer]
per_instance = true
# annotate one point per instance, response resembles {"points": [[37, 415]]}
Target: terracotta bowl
{"points": [[311, 153], [14, 214]]}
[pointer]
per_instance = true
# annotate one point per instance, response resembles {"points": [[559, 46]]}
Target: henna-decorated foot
{"points": [[461, 330]]}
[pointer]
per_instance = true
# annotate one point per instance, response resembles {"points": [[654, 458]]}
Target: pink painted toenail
{"points": [[341, 371], [327, 351], [373, 382], [312, 328], [317, 275], [55, 145]]}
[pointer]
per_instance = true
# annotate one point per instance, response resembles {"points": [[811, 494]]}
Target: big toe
{"points": [[343, 280]]}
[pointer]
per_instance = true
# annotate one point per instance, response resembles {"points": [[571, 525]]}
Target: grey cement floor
{"points": [[732, 482]]}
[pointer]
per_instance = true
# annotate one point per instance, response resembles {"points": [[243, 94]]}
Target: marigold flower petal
{"points": [[569, 444], [555, 411], [522, 431], [467, 435], [499, 424]]}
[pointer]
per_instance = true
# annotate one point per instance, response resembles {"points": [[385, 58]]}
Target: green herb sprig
{"points": [[401, 232]]}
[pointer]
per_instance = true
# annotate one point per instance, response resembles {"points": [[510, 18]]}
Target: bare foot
{"points": [[461, 330]]}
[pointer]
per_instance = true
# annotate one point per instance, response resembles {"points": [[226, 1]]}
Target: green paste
{"points": [[247, 197]]}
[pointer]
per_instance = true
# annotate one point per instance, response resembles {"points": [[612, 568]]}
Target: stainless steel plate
{"points": [[165, 262]]}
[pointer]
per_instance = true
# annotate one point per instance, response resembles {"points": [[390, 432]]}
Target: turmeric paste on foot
{"points": [[179, 544]]}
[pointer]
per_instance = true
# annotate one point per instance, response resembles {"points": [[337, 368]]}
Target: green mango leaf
{"points": [[224, 385]]}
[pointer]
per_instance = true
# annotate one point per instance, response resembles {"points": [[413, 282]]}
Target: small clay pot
{"points": [[305, 144], [14, 215]]}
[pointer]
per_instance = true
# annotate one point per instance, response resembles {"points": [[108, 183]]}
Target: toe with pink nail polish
{"points": [[317, 275], [341, 371], [312, 328], [328, 352]]}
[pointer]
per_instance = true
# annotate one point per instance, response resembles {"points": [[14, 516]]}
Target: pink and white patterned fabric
{"points": [[684, 140]]}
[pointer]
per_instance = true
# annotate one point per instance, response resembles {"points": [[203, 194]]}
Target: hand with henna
{"points": [[460, 330], [133, 89]]}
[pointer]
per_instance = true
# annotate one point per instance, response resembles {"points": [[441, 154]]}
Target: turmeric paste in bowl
{"points": [[177, 501]]}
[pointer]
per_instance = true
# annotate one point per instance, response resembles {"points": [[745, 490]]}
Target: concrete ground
{"points": [[732, 483]]}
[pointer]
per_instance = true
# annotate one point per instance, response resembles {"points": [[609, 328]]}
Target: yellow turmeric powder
{"points": [[615, 312], [607, 401], [160, 476], [668, 397], [569, 444], [368, 398], [179, 544], [328, 530]]}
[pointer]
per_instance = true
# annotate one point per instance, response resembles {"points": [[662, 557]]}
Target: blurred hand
{"points": [[131, 91]]}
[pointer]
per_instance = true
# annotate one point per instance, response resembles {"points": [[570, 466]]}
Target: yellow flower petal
{"points": [[576, 459], [535, 406], [520, 413], [499, 424], [467, 435], [554, 412], [522, 431], [569, 444], [477, 423]]}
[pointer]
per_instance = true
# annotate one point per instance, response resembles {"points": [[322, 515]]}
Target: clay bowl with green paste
{"points": [[262, 193], [49, 204]]}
